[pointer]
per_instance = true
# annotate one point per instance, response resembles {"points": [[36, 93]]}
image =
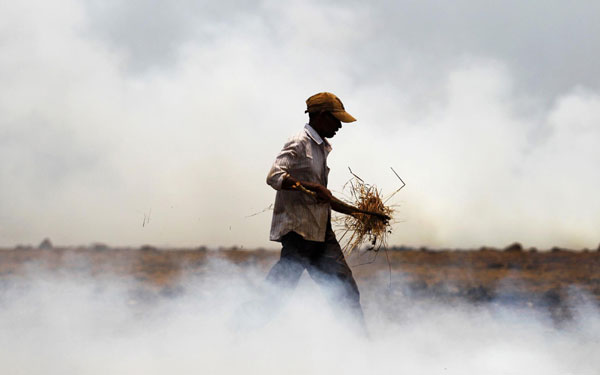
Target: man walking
{"points": [[301, 221]]}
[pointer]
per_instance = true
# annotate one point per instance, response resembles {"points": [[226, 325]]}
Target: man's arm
{"points": [[279, 178], [284, 162], [323, 195]]}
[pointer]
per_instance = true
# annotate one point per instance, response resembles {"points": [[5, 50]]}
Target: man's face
{"points": [[329, 125]]}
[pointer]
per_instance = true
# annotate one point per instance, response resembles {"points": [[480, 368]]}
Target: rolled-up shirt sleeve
{"points": [[284, 162]]}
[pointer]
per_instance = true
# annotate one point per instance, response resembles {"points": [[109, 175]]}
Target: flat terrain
{"points": [[528, 278]]}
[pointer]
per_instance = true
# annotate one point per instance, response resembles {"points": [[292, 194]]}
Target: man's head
{"points": [[326, 113]]}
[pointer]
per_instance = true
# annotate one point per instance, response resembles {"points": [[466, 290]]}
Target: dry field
{"points": [[551, 279]]}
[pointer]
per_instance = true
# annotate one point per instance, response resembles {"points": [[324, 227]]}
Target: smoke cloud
{"points": [[74, 323], [116, 111]]}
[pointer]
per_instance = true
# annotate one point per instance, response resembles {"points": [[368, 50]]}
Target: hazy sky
{"points": [[112, 110]]}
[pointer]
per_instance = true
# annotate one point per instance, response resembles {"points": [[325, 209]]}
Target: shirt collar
{"points": [[313, 134], [316, 137]]}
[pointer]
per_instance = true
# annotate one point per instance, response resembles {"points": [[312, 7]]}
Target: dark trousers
{"points": [[326, 265]]}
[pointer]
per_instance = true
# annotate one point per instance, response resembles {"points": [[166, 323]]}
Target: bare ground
{"points": [[513, 276]]}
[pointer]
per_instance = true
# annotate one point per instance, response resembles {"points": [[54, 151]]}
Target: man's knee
{"points": [[285, 272]]}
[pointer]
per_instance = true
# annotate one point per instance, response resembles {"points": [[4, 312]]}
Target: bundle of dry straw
{"points": [[362, 228]]}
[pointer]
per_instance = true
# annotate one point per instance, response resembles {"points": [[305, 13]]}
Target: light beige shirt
{"points": [[304, 157]]}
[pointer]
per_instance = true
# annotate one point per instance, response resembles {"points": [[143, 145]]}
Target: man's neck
{"points": [[317, 129]]}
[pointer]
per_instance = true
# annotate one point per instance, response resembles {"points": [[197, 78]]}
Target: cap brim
{"points": [[343, 116]]}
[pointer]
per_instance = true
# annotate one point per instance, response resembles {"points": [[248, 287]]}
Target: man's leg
{"points": [[293, 260], [280, 282], [329, 269]]}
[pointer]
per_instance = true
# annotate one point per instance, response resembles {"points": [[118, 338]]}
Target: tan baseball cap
{"points": [[326, 101]]}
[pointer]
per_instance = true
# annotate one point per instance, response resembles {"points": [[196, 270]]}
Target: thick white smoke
{"points": [[116, 110], [78, 324]]}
